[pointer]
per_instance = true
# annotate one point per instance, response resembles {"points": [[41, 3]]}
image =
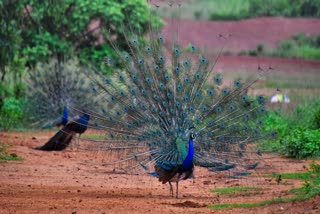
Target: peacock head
{"points": [[192, 134]]}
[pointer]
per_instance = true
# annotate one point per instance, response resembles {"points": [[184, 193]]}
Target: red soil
{"points": [[77, 182], [245, 34]]}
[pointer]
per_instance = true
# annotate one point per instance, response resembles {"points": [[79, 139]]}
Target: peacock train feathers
{"points": [[171, 110], [54, 89]]}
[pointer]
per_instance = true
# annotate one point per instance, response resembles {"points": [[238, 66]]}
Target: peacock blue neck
{"points": [[65, 115], [84, 119], [188, 161]]}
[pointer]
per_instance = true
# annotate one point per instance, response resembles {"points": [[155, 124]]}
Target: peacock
{"points": [[54, 89], [172, 112], [64, 136]]}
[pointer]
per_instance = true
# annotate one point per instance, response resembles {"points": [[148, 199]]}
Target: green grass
{"points": [[303, 51], [238, 9], [10, 158], [235, 190], [93, 136], [204, 9], [310, 189], [306, 176], [4, 156], [298, 46], [253, 204]]}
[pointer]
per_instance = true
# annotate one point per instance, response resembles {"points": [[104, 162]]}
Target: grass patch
{"points": [[298, 46], [10, 158], [4, 156], [94, 136], [208, 10], [310, 176], [311, 188], [235, 190], [255, 204], [236, 9]]}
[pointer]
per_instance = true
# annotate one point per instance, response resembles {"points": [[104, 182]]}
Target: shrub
{"points": [[197, 14], [298, 131], [301, 143], [275, 121], [11, 114], [260, 48], [289, 8], [298, 46]]}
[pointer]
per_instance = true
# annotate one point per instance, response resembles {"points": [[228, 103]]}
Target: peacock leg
{"points": [[171, 189], [75, 143], [177, 193], [78, 144]]}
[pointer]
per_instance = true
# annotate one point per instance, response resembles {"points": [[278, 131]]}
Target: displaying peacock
{"points": [[54, 89], [171, 111]]}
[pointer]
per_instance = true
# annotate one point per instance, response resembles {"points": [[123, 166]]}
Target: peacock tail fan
{"points": [[54, 89], [159, 90]]}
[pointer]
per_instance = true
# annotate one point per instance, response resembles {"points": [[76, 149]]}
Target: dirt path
{"points": [[77, 182]]}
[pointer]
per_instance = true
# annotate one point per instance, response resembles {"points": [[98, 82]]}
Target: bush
{"points": [[11, 114], [298, 132], [272, 8], [275, 121], [197, 14], [288, 8], [301, 143], [299, 46]]}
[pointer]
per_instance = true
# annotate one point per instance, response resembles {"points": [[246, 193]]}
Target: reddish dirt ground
{"points": [[245, 34], [77, 182], [250, 64]]}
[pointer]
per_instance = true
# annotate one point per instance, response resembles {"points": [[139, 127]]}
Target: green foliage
{"points": [[41, 30], [309, 189], [314, 167], [275, 121], [253, 204], [10, 158], [316, 119], [11, 114], [301, 143], [311, 185], [306, 115], [289, 8], [4, 156], [10, 39], [272, 8], [230, 10], [241, 9], [75, 27], [298, 132], [206, 9], [298, 46], [235, 190]]}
